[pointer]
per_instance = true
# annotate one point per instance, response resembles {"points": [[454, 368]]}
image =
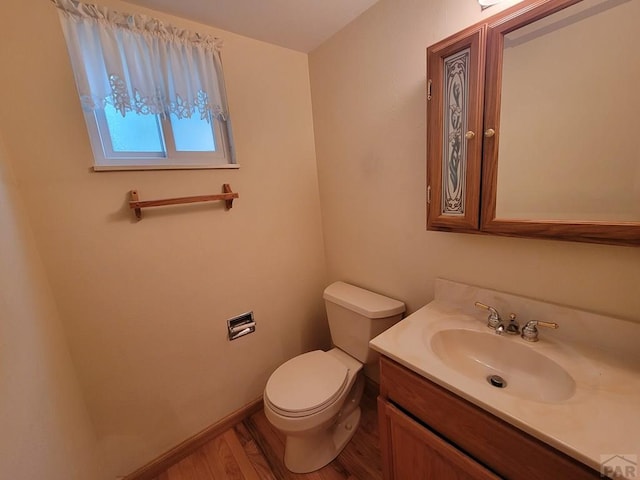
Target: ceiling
{"points": [[297, 24]]}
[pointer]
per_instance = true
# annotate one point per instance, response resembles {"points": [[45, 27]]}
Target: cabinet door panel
{"points": [[417, 453], [455, 72]]}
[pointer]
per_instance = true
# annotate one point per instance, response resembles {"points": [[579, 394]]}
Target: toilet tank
{"points": [[356, 316]]}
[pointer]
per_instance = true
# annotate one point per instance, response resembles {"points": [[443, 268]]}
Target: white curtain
{"points": [[139, 64]]}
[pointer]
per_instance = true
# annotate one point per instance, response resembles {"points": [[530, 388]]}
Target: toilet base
{"points": [[309, 453]]}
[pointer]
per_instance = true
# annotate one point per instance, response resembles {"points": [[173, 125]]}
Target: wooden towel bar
{"points": [[137, 205]]}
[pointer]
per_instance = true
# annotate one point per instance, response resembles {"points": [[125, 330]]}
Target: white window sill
{"points": [[113, 168]]}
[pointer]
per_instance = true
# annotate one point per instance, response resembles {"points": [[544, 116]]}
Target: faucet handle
{"points": [[553, 325], [493, 320], [530, 330]]}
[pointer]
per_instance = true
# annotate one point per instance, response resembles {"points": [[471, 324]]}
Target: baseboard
{"points": [[154, 468]]}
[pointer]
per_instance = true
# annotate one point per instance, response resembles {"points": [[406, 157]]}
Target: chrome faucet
{"points": [[530, 330], [495, 321], [512, 328]]}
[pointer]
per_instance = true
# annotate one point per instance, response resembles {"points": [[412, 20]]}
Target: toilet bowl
{"points": [[318, 417], [314, 398]]}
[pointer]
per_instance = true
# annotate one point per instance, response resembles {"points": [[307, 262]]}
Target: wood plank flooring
{"points": [[253, 450]]}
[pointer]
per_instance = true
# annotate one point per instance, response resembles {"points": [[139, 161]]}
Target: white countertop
{"points": [[602, 418]]}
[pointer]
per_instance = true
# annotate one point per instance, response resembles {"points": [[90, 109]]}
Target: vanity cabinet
{"points": [[521, 139], [426, 432]]}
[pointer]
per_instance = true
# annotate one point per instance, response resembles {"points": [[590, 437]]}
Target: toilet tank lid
{"points": [[364, 302]]}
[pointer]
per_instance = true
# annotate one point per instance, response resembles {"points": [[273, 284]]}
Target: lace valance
{"points": [[139, 64]]}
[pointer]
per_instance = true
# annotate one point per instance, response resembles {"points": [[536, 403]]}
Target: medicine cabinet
{"points": [[532, 123]]}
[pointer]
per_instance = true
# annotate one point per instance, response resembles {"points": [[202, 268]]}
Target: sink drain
{"points": [[497, 381]]}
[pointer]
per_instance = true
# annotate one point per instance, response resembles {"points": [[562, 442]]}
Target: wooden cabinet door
{"points": [[455, 96], [412, 452]]}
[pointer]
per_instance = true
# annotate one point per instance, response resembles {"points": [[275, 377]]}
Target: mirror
{"points": [[568, 145]]}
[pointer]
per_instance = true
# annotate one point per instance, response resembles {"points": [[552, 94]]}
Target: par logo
{"points": [[619, 466]]}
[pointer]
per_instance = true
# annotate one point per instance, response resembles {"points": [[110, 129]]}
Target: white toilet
{"points": [[314, 398]]}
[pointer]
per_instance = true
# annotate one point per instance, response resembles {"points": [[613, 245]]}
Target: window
{"points": [[153, 94], [136, 141]]}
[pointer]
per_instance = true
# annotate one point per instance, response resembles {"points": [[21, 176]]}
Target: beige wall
{"points": [[145, 305], [46, 432], [368, 90]]}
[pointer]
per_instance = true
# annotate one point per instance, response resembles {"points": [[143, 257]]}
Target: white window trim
{"points": [[105, 159]]}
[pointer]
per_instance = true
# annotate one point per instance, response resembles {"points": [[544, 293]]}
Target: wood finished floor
{"points": [[253, 450]]}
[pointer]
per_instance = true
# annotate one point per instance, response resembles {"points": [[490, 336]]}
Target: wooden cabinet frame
{"points": [[474, 40], [482, 161]]}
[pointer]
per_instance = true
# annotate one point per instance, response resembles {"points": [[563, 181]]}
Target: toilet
{"points": [[314, 398]]}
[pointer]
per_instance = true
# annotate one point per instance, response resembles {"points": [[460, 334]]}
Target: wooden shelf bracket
{"points": [[137, 205]]}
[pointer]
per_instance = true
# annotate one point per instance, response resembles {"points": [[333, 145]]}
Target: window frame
{"points": [[105, 158]]}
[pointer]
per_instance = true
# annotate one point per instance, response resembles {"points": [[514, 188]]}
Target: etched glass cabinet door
{"points": [[455, 95]]}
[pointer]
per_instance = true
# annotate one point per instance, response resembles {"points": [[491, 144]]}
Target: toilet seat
{"points": [[306, 384]]}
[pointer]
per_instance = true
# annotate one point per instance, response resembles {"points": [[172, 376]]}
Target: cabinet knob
{"points": [[470, 135], [490, 132]]}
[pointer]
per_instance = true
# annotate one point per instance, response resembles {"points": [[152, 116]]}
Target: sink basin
{"points": [[526, 373]]}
